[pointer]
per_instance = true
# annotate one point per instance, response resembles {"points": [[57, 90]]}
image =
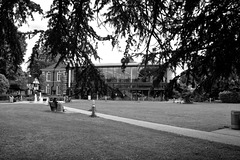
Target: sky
{"points": [[105, 50]]}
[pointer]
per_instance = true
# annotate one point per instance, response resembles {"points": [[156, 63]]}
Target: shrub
{"points": [[103, 98], [4, 97], [126, 98], [200, 97], [186, 94], [4, 84], [29, 98], [229, 97], [59, 98]]}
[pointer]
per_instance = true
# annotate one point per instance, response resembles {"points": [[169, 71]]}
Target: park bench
{"points": [[53, 106], [67, 99], [56, 107]]}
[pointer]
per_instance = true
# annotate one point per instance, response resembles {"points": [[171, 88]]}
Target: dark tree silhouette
{"points": [[12, 43], [200, 35]]}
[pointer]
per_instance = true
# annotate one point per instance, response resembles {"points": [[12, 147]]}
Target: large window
{"points": [[132, 74], [58, 90], [115, 74], [59, 74], [48, 76], [47, 89]]}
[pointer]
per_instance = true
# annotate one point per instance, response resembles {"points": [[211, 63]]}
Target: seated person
{"points": [[59, 105]]}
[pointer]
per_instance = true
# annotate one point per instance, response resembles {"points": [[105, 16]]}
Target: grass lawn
{"points": [[199, 116], [31, 131]]}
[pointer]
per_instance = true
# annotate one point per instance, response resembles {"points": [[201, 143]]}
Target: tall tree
{"points": [[90, 81], [70, 35], [4, 84], [37, 61], [201, 35], [12, 43]]}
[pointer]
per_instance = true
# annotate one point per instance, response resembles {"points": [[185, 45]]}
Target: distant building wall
{"points": [[129, 81]]}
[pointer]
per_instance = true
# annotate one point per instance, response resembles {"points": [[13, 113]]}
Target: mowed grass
{"points": [[31, 131], [199, 116]]}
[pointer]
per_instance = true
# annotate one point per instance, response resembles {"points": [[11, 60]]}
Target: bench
{"points": [[53, 106], [67, 99], [56, 107]]}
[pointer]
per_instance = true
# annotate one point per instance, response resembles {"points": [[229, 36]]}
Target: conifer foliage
{"points": [[200, 35], [13, 13], [69, 34]]}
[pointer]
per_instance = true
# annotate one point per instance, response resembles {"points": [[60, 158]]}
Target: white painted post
{"points": [[35, 98], [40, 97], [93, 109], [69, 78]]}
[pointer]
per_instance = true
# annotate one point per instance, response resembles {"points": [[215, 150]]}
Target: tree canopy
{"points": [[69, 34], [4, 84], [201, 36], [12, 43]]}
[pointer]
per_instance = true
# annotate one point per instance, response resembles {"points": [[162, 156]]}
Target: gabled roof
{"points": [[61, 66]]}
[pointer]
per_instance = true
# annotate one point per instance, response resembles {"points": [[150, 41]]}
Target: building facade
{"points": [[56, 79], [134, 82]]}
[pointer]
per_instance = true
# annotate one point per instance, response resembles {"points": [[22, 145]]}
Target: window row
{"points": [[60, 76], [60, 90]]}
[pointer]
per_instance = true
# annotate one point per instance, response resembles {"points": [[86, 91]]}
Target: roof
{"points": [[61, 66], [134, 64]]}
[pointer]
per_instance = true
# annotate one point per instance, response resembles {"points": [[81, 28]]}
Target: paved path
{"points": [[226, 136]]}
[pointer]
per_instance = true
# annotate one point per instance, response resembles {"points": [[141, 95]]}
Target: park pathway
{"points": [[226, 136]]}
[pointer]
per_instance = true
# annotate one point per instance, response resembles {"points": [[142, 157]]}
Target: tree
{"points": [[70, 37], [201, 36], [4, 84], [12, 43], [42, 81], [22, 79], [9, 66], [147, 73], [90, 81]]}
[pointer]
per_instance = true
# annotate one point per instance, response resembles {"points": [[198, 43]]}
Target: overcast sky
{"points": [[104, 48]]}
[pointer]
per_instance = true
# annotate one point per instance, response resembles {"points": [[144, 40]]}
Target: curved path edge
{"points": [[210, 136]]}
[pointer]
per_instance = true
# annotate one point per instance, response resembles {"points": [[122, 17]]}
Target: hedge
{"points": [[229, 97], [4, 97], [59, 98]]}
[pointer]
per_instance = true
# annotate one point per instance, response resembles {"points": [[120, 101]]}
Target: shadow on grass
{"points": [[49, 111], [66, 112]]}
